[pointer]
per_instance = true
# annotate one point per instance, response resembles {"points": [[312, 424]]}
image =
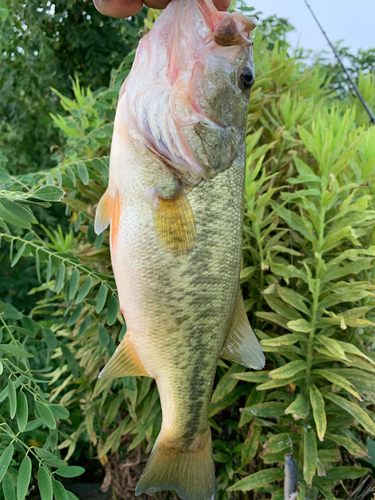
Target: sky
{"points": [[351, 20]]}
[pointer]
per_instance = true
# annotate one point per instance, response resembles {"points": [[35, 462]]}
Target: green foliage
{"points": [[307, 280], [42, 45]]}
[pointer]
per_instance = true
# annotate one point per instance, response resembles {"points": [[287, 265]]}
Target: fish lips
{"points": [[215, 146]]}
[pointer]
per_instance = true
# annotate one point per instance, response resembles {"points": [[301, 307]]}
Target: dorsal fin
{"points": [[241, 344]]}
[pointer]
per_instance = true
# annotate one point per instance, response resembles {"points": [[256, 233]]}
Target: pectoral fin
{"points": [[241, 344], [125, 362], [174, 219], [108, 212]]}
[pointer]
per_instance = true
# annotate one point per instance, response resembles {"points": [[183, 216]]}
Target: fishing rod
{"points": [[356, 89]]}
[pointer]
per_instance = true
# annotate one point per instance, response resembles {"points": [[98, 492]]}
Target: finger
{"points": [[222, 4], [156, 4], [118, 8]]}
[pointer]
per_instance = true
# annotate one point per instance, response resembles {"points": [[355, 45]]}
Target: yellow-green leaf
{"points": [[353, 409], [293, 298], [261, 478], [287, 339], [347, 443], [289, 370], [318, 407], [338, 380], [251, 445], [310, 454], [299, 408], [333, 346], [300, 325]]}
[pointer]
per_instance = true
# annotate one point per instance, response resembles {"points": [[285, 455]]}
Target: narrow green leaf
{"points": [[289, 370], [23, 479], [333, 346], [280, 382], [281, 308], [269, 409], [22, 411], [45, 484], [24, 331], [75, 315], [74, 367], [49, 193], [49, 269], [70, 173], [5, 459], [59, 177], [60, 278], [16, 214], [293, 220], [73, 283], [9, 487], [29, 324], [59, 492], [317, 404], [352, 349], [345, 473], [279, 442], [70, 471], [347, 443], [310, 455], [71, 495], [261, 478], [123, 330], [49, 458], [300, 325], [84, 290], [91, 235], [46, 415], [59, 411], [49, 337], [84, 326], [354, 410], [293, 298], [103, 335], [112, 310], [115, 405], [337, 380], [18, 255], [12, 398], [14, 350], [83, 173], [299, 408], [287, 339], [102, 297]]}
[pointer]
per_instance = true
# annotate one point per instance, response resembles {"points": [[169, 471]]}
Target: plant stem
{"points": [[316, 290], [63, 259]]}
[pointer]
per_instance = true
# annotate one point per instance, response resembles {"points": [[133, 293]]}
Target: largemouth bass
{"points": [[175, 205]]}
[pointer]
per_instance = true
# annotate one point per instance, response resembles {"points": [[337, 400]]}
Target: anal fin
{"points": [[241, 344], [124, 362]]}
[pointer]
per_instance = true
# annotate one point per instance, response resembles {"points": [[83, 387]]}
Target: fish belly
{"points": [[178, 308]]}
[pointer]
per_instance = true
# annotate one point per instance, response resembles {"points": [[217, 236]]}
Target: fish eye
{"points": [[247, 77]]}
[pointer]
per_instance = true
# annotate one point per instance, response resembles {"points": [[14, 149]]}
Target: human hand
{"points": [[127, 8]]}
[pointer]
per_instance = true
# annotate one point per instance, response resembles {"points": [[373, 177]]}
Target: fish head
{"points": [[188, 91]]}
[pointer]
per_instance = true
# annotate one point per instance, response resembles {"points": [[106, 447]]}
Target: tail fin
{"points": [[189, 471]]}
